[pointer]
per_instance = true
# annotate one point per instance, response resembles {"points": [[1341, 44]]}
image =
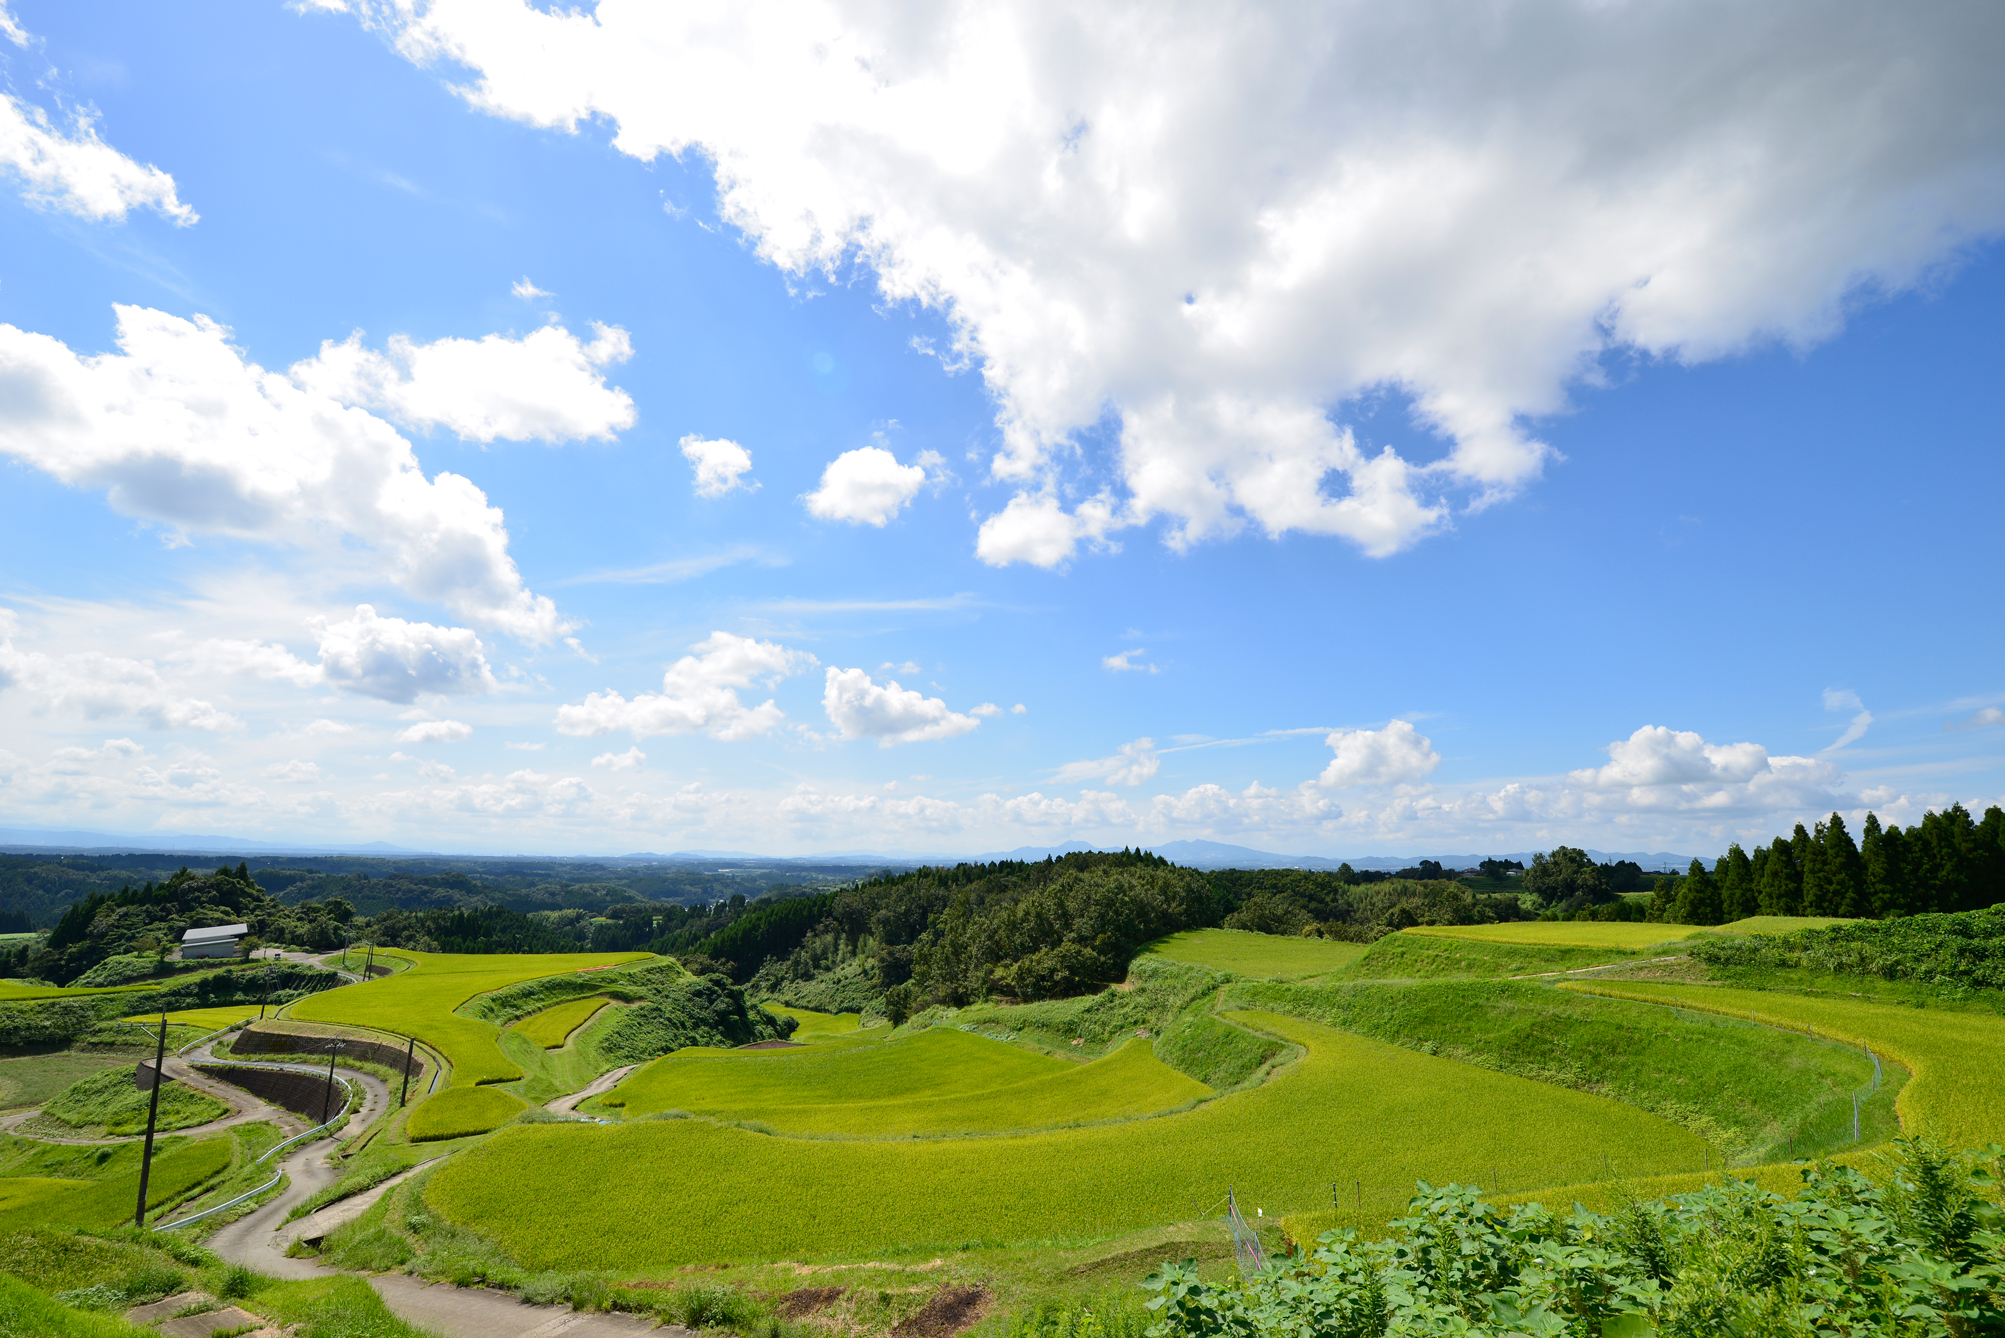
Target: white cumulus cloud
{"points": [[396, 660], [545, 386], [435, 731], [698, 694], [630, 760], [719, 466], [1218, 224], [861, 709], [866, 486], [177, 427], [1395, 755], [77, 172], [1128, 662], [1132, 764]]}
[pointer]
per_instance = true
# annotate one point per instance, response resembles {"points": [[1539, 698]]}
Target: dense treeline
{"points": [[1945, 863], [1012, 929], [1960, 951], [38, 888]]}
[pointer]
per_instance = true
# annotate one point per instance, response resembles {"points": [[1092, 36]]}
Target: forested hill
{"points": [[1048, 929], [1947, 862]]}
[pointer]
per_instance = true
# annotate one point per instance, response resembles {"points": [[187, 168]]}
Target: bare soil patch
{"points": [[807, 1300], [951, 1310]]}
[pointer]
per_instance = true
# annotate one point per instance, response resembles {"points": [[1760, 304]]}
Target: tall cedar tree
{"points": [[1698, 897], [1739, 896]]}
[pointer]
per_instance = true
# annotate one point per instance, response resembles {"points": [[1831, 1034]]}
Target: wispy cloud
{"points": [[1844, 699], [676, 569]]}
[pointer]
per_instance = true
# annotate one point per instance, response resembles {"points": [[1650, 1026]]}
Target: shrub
{"points": [[1845, 1256]]}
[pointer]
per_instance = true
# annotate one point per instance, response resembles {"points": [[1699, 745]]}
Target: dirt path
{"points": [[599, 1086]]}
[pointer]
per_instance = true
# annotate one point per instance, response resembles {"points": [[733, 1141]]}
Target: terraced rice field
{"points": [[1264, 956], [205, 1019], [936, 1082], [811, 1026], [664, 1192], [420, 1002], [1779, 924], [459, 1111], [1956, 1057], [553, 1026], [1625, 935]]}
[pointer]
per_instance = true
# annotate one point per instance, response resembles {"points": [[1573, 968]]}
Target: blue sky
{"points": [[1687, 531]]}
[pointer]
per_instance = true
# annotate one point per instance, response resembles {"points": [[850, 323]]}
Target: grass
{"points": [[420, 1002], [108, 1100], [29, 1080], [459, 1111], [27, 1313], [11, 990], [1262, 955], [812, 1025], [647, 1194], [1748, 1089], [1955, 1057], [553, 1026], [1626, 935], [933, 1076], [338, 1307], [177, 1170]]}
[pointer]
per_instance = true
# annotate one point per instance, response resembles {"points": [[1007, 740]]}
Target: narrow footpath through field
{"points": [[259, 1241]]}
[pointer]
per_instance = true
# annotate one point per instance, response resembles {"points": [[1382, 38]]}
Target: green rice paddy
{"points": [[1269, 956], [1628, 936], [645, 1195], [553, 1026], [813, 1026], [420, 1002], [459, 1111], [936, 1082]]}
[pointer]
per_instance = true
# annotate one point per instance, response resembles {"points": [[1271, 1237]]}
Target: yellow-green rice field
{"points": [[936, 1082], [420, 1002], [553, 1026], [659, 1193], [1266, 956]]}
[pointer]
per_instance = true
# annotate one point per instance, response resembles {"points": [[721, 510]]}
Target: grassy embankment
{"points": [[652, 1193], [106, 1104], [934, 1082]]}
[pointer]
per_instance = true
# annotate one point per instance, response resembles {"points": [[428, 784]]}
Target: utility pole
{"points": [[369, 964], [152, 1118], [327, 1098], [409, 1050], [264, 992]]}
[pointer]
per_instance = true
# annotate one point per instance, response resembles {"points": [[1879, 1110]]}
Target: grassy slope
{"points": [[1263, 955], [674, 1191], [1956, 1057], [553, 1026], [1748, 1089], [108, 1100], [29, 1080], [420, 1002], [206, 1019], [106, 1202], [1780, 924]]}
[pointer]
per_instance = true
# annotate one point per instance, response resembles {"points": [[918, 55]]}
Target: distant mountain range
{"points": [[1193, 854]]}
